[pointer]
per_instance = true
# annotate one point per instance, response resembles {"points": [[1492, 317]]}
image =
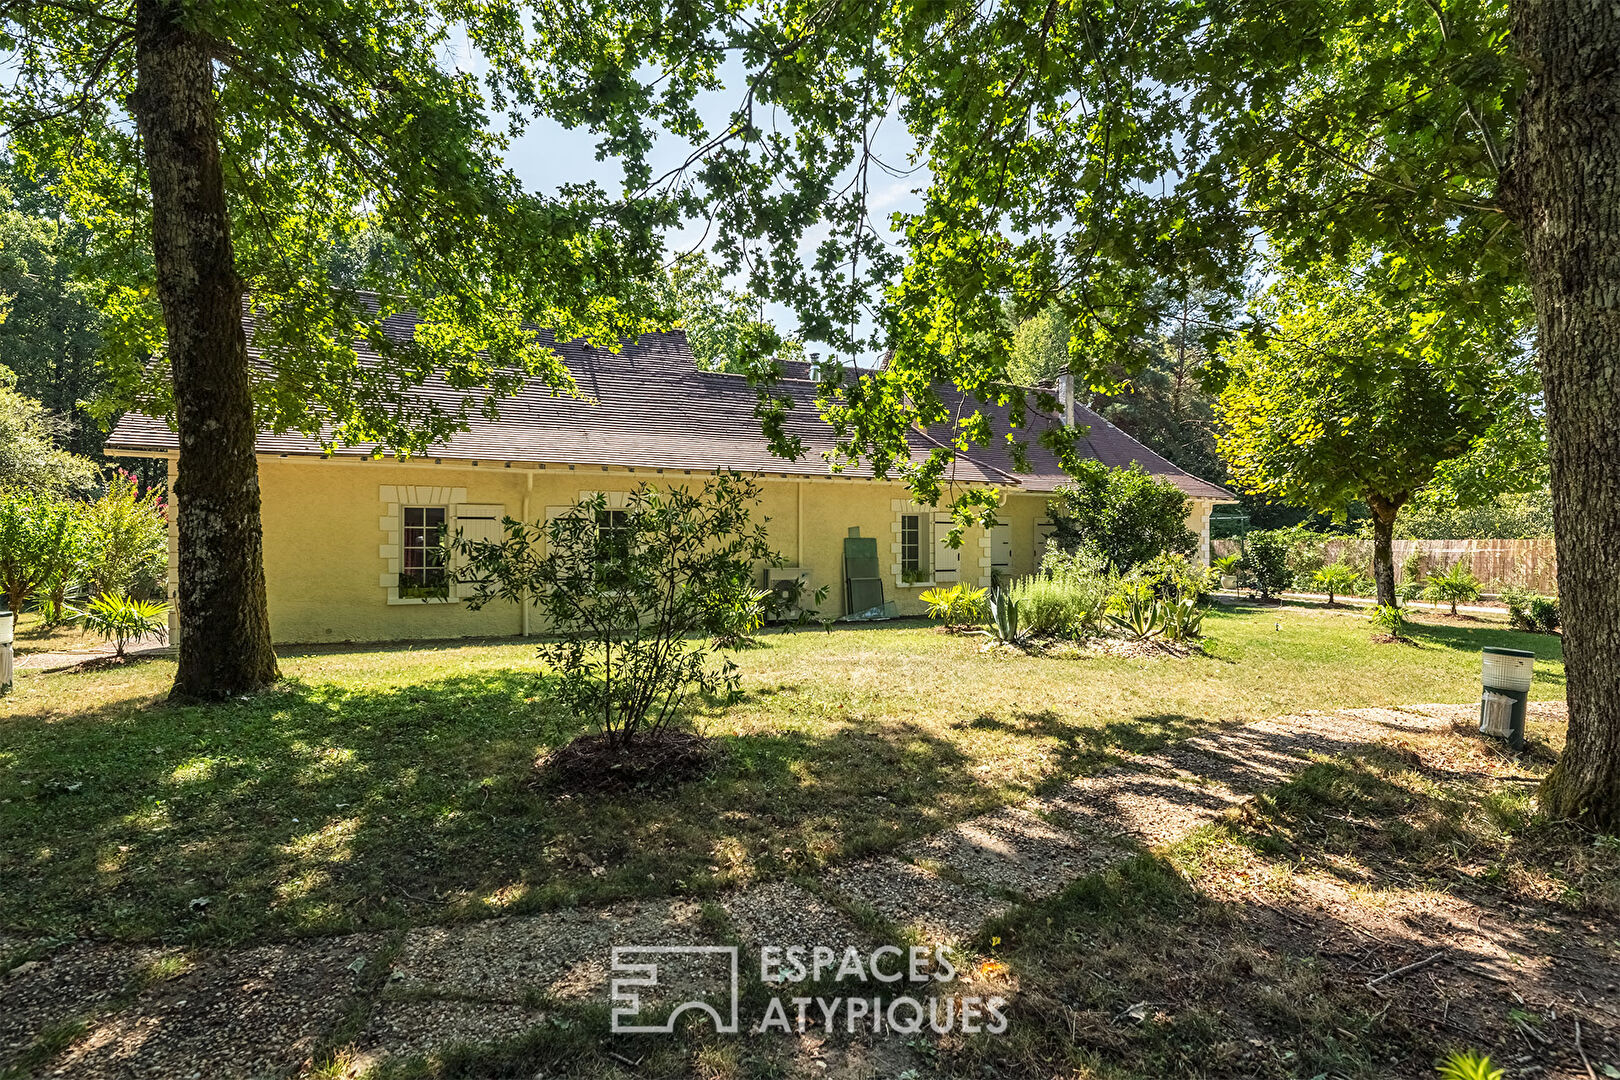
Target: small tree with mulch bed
{"points": [[645, 599]]}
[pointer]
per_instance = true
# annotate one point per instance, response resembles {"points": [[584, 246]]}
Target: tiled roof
{"points": [[648, 405]]}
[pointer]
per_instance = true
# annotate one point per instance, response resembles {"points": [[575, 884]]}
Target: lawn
{"points": [[380, 787]]}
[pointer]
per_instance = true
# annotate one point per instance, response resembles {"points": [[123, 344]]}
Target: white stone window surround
{"points": [[904, 507], [393, 498]]}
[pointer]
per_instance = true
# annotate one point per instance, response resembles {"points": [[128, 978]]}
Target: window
{"points": [[424, 555], [613, 535], [914, 546]]}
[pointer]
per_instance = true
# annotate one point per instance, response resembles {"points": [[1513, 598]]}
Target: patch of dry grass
{"points": [[381, 787]]}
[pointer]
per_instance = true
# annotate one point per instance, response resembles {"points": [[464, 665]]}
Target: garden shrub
{"points": [[1124, 515], [1544, 613], [1050, 608], [1069, 595], [1265, 562], [1531, 611], [642, 616], [40, 542], [128, 538], [1175, 577]]}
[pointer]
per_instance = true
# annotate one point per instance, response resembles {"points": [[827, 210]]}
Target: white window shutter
{"points": [[947, 560], [474, 521]]}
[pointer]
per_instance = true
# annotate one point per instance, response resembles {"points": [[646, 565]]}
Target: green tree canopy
{"points": [[724, 327], [1352, 388], [48, 335], [1124, 515], [219, 151], [31, 455]]}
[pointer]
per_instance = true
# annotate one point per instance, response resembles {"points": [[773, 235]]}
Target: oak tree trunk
{"points": [[1564, 190], [224, 625], [1384, 511]]}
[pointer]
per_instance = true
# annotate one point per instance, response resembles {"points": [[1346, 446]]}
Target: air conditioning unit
{"points": [[780, 579]]}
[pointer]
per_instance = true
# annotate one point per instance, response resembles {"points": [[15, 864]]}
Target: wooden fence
{"points": [[1529, 564]]}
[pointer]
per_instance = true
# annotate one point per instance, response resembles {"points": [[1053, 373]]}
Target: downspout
{"points": [[798, 530], [529, 490]]}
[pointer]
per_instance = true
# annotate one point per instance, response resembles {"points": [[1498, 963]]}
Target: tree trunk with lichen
{"points": [[1563, 188], [1383, 512], [224, 624]]}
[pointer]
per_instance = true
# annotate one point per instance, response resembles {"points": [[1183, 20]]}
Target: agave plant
{"points": [[1183, 620], [1004, 626], [1138, 614]]}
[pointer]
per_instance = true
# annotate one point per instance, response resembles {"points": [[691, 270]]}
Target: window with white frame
{"points": [[424, 553], [614, 535], [916, 546]]}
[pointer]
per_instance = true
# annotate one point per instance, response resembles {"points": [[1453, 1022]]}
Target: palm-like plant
{"points": [[956, 605], [1456, 584], [122, 619], [1467, 1065], [1391, 620], [1337, 579]]}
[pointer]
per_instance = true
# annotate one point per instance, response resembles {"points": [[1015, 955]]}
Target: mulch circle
{"points": [[598, 763]]}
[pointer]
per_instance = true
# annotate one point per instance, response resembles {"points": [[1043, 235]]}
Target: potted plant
{"points": [[1227, 567]]}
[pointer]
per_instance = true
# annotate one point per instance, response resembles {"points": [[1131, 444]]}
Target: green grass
{"points": [[1246, 976], [380, 787], [33, 636]]}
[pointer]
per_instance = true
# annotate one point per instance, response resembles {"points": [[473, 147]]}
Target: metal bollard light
{"points": [[1505, 688], [8, 623]]}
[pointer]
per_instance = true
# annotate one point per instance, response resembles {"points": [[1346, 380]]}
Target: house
{"points": [[347, 536]]}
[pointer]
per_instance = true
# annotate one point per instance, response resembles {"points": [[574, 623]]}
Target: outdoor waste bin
{"points": [[7, 622], [1505, 678]]}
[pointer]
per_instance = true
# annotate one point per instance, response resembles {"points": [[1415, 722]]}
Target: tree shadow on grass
{"points": [[319, 808], [1082, 748], [1144, 970], [1209, 959], [1251, 943]]}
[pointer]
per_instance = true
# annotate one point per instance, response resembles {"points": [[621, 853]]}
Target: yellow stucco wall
{"points": [[327, 538]]}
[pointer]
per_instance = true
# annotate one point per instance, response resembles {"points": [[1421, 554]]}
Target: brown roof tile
{"points": [[648, 405]]}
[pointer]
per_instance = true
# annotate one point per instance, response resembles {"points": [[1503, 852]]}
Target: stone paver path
{"points": [[261, 1011], [61, 659]]}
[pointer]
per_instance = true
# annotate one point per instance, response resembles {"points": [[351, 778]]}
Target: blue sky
{"points": [[548, 155]]}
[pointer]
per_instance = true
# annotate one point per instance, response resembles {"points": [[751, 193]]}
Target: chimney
{"points": [[1065, 393]]}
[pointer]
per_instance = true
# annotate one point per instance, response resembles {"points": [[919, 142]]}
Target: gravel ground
{"points": [[259, 1012], [1014, 849], [65, 985], [782, 913], [404, 1028], [262, 1011], [560, 955], [938, 909]]}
